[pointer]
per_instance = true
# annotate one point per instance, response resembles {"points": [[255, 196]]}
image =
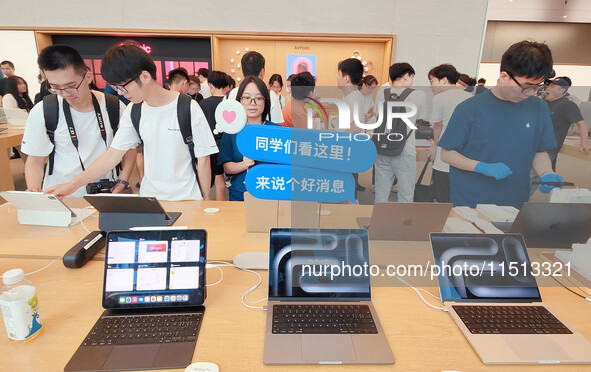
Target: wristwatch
{"points": [[123, 182]]}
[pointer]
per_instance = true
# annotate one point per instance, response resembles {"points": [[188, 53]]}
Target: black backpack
{"points": [[183, 111], [384, 146], [51, 115]]}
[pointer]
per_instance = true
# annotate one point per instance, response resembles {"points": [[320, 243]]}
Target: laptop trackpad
{"points": [[536, 348], [327, 348], [132, 357]]}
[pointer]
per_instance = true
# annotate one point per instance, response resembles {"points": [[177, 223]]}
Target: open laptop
{"points": [[405, 221], [120, 212], [16, 116], [156, 279], [37, 208], [487, 286], [313, 318], [553, 225]]}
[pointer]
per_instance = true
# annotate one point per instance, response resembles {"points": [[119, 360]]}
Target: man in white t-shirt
{"points": [[169, 173], [350, 73], [448, 95], [253, 64], [69, 77], [402, 167], [202, 74]]}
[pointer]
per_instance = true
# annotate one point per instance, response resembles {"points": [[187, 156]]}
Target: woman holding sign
{"points": [[254, 96]]}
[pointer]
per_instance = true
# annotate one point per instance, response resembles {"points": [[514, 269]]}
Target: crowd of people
{"points": [[485, 141]]}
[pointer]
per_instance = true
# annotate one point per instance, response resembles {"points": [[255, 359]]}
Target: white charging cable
{"points": [[244, 299], [43, 268], [420, 295]]}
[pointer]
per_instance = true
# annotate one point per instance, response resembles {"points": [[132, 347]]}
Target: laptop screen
{"points": [[160, 268], [319, 264], [483, 267]]}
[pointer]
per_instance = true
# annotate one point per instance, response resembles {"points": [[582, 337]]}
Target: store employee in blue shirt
{"points": [[493, 139], [253, 94]]}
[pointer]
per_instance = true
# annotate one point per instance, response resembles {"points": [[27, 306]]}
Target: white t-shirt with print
{"points": [[416, 97], [275, 113], [444, 105], [167, 162], [66, 162]]}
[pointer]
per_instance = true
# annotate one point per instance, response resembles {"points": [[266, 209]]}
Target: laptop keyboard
{"points": [[144, 329], [323, 319], [510, 320]]}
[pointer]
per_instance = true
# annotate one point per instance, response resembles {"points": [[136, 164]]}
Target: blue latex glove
{"points": [[550, 177], [496, 170]]}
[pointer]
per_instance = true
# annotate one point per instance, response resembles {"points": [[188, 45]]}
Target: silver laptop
{"points": [[153, 292], [316, 316], [553, 225], [487, 286], [405, 221]]}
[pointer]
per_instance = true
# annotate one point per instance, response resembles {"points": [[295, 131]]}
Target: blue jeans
{"points": [[402, 167]]}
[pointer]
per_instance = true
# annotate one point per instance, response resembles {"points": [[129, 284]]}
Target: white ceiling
{"points": [[578, 11]]}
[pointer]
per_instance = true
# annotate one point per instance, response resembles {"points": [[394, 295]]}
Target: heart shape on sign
{"points": [[229, 116]]}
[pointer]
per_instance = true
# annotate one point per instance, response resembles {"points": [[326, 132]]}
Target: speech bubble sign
{"points": [[344, 152], [230, 117], [285, 182]]}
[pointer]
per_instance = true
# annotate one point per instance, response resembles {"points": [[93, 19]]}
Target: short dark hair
{"points": [[482, 80], [529, 59], [445, 71], [218, 79], [6, 62], [262, 88], [353, 68], [369, 80], [58, 57], [290, 78], [276, 78], [126, 61], [203, 72], [252, 63], [177, 75], [302, 84], [231, 81], [398, 70]]}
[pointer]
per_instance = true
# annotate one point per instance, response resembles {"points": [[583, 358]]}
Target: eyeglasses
{"points": [[528, 90], [259, 100], [121, 88], [53, 90]]}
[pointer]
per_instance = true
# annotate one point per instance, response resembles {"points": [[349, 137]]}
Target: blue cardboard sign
{"points": [[285, 182], [344, 152]]}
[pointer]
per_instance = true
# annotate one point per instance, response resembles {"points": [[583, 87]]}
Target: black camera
{"points": [[103, 185]]}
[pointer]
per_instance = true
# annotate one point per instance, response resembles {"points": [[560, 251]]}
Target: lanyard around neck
{"points": [[72, 129]]}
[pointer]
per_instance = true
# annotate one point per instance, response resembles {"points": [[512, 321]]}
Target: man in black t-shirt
{"points": [[564, 112], [217, 81]]}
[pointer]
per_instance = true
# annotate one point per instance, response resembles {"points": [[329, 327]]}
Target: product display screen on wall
{"points": [[168, 53]]}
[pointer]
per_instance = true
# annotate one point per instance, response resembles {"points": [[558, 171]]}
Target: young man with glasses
{"points": [[77, 142], [169, 172], [494, 138]]}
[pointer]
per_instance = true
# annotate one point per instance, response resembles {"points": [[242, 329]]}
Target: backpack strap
{"points": [[136, 115], [184, 117], [51, 115], [112, 104]]}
